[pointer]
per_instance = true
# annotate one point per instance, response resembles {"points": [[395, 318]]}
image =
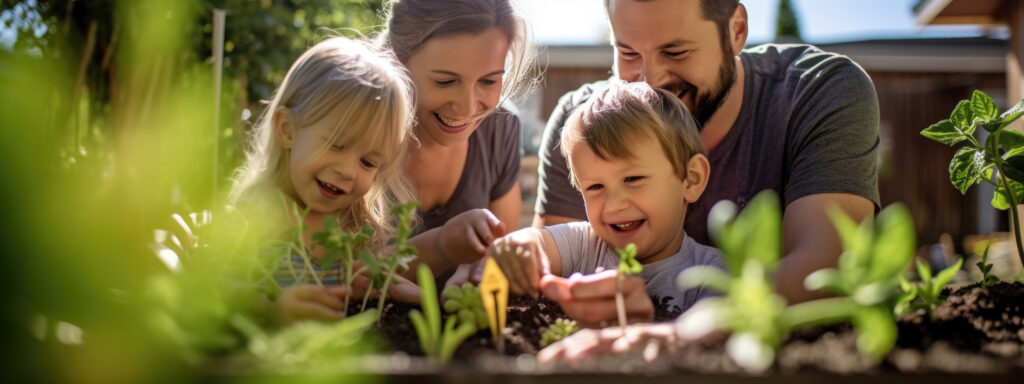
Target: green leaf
{"points": [[1013, 113], [982, 107], [966, 168], [947, 274], [962, 117], [876, 332], [710, 277], [761, 223], [924, 272], [944, 132], [1014, 168], [824, 279], [894, 243], [1012, 143], [1001, 201]]}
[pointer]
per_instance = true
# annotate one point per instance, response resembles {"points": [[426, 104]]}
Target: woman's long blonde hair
{"points": [[373, 94]]}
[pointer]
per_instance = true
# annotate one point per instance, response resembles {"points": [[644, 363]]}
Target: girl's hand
{"points": [[307, 301], [522, 260], [464, 238], [400, 289]]}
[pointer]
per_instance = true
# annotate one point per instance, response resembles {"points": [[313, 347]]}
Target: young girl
{"points": [[465, 58], [332, 141]]}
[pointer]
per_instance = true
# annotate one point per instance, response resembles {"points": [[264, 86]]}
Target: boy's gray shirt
{"points": [[808, 125], [581, 250]]}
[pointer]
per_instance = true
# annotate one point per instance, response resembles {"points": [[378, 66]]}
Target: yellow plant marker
{"points": [[494, 294]]}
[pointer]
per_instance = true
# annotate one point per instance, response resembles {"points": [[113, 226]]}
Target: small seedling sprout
{"points": [[628, 265], [434, 341], [558, 330]]}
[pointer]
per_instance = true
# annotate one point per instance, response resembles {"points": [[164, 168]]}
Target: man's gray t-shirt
{"points": [[808, 125], [492, 168], [581, 250]]}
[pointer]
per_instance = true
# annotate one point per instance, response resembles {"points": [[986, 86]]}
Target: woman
{"points": [[465, 57]]}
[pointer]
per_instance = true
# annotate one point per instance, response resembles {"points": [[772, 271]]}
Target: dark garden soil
{"points": [[976, 335]]}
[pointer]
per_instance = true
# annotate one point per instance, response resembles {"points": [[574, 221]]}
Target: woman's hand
{"points": [[464, 238]]}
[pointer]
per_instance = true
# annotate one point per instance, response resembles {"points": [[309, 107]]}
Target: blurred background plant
{"points": [[107, 109]]}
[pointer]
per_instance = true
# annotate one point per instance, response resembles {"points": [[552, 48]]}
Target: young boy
{"points": [[636, 155]]}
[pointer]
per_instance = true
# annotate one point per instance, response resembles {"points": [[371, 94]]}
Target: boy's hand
{"points": [[465, 237], [522, 260], [590, 300], [307, 301]]}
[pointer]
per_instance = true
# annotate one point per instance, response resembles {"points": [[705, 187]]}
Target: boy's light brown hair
{"points": [[621, 114]]}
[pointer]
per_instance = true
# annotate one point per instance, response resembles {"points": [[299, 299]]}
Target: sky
{"points": [[567, 22]]}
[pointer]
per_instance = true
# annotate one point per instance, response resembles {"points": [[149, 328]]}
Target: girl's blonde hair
{"points": [[621, 114], [411, 23], [373, 95]]}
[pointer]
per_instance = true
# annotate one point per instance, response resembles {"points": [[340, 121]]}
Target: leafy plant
{"points": [[558, 330], [1000, 161], [340, 246], [434, 341], [464, 302], [874, 255], [307, 345], [987, 278], [628, 265], [928, 293], [399, 260]]}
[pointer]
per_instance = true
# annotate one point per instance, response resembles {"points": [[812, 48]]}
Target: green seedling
{"points": [[927, 294], [875, 253], [384, 267], [464, 303], [987, 278], [759, 319], [628, 265], [1000, 161], [343, 247], [558, 330], [306, 345], [434, 341]]}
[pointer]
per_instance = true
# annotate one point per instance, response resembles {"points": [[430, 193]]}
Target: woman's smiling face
{"points": [[458, 81]]}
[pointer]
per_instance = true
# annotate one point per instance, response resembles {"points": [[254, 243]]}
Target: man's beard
{"points": [[705, 105]]}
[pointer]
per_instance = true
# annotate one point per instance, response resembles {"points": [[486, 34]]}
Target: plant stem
{"points": [[384, 291], [1013, 209], [821, 311], [620, 303]]}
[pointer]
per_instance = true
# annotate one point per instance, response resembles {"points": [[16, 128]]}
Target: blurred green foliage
{"points": [[107, 114]]}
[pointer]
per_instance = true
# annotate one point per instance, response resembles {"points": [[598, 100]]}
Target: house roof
{"points": [[972, 54], [977, 12]]}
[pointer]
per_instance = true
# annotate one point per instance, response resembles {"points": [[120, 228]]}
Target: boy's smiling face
{"points": [[638, 200]]}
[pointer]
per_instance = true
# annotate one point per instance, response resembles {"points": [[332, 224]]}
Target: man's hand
{"points": [[590, 300]]}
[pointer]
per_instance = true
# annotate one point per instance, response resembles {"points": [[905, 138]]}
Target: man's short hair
{"points": [[621, 114], [718, 11]]}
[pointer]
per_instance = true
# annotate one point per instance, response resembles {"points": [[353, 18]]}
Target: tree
{"points": [[787, 25]]}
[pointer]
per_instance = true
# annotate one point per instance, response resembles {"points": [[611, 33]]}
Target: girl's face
{"points": [[332, 179], [458, 80]]}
